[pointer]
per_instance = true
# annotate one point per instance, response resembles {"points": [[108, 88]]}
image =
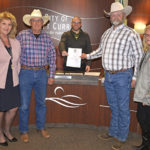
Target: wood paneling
{"points": [[141, 12], [95, 111]]}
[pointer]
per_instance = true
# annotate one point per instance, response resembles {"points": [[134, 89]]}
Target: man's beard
{"points": [[116, 23], [76, 29]]}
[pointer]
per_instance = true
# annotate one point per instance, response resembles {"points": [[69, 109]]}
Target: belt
{"points": [[33, 68], [113, 72]]}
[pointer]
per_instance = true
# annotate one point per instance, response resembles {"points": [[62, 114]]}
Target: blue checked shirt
{"points": [[37, 52], [120, 48]]}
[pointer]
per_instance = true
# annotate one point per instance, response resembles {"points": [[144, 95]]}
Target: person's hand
{"points": [[101, 74], [143, 104], [83, 56], [50, 81], [87, 69], [133, 83], [64, 53]]}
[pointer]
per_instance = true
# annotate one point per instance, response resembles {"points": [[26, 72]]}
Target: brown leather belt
{"points": [[113, 72], [33, 68]]}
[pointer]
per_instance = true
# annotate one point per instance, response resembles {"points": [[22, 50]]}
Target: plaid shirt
{"points": [[37, 52], [120, 48]]}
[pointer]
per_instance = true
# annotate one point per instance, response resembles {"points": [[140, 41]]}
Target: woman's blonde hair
{"points": [[11, 17], [146, 47]]}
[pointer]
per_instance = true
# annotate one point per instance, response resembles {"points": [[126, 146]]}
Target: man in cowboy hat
{"points": [[37, 51], [121, 50]]}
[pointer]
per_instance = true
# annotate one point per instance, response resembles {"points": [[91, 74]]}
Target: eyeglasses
{"points": [[36, 20], [147, 35], [76, 22]]}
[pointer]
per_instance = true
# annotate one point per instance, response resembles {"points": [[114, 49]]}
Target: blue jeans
{"points": [[117, 87], [37, 80]]}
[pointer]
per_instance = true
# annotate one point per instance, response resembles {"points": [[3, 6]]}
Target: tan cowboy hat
{"points": [[35, 13], [117, 6]]}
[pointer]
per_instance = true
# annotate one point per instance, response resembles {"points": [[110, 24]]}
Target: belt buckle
{"points": [[111, 72], [37, 68]]}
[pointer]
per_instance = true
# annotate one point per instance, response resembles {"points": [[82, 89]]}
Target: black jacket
{"points": [[68, 41]]}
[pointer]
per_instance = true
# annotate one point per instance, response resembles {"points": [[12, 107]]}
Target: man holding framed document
{"points": [[73, 43]]}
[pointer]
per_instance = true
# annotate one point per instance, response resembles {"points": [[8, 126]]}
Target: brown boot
{"points": [[44, 133], [117, 145], [25, 137], [105, 136]]}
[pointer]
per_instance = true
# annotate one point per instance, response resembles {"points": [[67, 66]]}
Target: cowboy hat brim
{"points": [[127, 10], [27, 18]]}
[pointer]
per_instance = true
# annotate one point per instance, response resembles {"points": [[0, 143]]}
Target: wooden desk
{"points": [[93, 108]]}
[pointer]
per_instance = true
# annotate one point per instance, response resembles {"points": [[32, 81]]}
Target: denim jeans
{"points": [[117, 87], [37, 80]]}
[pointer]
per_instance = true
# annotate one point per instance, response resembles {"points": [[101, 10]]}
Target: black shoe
{"points": [[11, 140], [140, 147], [4, 144]]}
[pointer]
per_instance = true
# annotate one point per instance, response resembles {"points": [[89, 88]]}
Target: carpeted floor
{"points": [[69, 138]]}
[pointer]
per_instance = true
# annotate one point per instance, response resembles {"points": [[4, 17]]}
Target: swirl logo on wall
{"points": [[63, 102]]}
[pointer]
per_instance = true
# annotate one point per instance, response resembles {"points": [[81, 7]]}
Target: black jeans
{"points": [[143, 116]]}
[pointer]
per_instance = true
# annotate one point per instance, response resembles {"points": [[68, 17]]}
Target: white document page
{"points": [[73, 58]]}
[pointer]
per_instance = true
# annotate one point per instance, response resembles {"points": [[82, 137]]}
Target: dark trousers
{"points": [[143, 116]]}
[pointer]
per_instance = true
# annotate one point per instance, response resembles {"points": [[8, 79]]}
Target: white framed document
{"points": [[73, 58]]}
